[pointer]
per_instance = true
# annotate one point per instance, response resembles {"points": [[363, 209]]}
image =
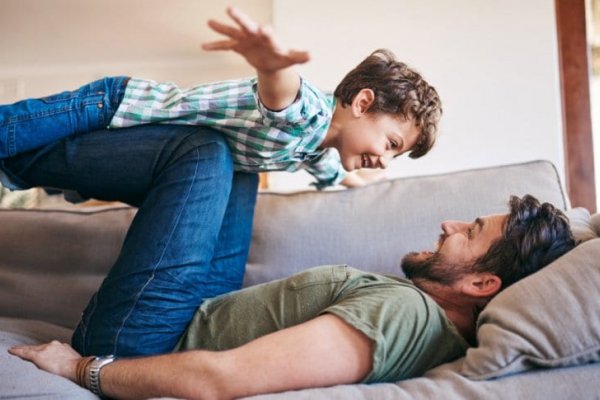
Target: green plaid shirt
{"points": [[260, 139]]}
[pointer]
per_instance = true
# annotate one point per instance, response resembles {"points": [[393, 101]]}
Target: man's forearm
{"points": [[278, 89], [181, 375], [284, 360]]}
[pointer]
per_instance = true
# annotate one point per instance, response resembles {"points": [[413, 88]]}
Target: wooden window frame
{"points": [[576, 109]]}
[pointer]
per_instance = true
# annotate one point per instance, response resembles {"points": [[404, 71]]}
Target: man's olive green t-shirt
{"points": [[410, 331]]}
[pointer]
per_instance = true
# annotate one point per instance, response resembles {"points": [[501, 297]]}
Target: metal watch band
{"points": [[94, 374]]}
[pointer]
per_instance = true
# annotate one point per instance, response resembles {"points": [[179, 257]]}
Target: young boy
{"points": [[276, 121]]}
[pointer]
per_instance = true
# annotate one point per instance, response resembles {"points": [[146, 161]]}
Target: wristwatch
{"points": [[94, 372]]}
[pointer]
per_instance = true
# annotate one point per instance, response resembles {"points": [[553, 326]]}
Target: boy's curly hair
{"points": [[398, 90]]}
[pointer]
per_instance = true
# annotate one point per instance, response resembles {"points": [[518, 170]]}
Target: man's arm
{"points": [[322, 352], [278, 82]]}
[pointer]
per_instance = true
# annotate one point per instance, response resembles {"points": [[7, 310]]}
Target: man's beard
{"points": [[434, 268]]}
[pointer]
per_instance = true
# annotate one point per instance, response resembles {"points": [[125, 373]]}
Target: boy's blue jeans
{"points": [[31, 123], [190, 237]]}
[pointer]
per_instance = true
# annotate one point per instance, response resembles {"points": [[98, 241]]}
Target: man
{"points": [[357, 326]]}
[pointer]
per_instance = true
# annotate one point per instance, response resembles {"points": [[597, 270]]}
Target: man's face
{"points": [[459, 245]]}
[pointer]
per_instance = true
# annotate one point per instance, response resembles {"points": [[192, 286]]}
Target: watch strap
{"points": [[94, 372]]}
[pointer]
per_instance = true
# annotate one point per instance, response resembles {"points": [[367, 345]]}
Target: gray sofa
{"points": [[539, 339]]}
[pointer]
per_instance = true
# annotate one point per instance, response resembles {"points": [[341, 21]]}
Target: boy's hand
{"points": [[255, 43], [362, 177], [278, 84]]}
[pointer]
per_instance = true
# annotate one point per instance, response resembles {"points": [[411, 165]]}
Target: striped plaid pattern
{"points": [[260, 139]]}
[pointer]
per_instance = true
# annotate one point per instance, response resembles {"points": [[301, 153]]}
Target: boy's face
{"points": [[372, 140]]}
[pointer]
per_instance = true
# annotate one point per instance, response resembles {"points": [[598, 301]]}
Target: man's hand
{"points": [[54, 357], [255, 43], [278, 84]]}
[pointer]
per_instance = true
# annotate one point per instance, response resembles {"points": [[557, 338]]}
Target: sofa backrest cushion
{"points": [[52, 261]]}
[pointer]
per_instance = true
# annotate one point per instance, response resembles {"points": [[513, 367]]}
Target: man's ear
{"points": [[362, 101], [482, 284]]}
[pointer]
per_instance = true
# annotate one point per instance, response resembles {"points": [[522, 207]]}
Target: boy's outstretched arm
{"points": [[278, 83]]}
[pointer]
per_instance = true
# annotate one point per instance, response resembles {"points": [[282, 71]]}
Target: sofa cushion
{"points": [[583, 225], [51, 261], [549, 319]]}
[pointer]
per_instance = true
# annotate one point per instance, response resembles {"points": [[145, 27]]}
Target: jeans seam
{"points": [[151, 278], [75, 103], [40, 114], [12, 142], [84, 324], [117, 91]]}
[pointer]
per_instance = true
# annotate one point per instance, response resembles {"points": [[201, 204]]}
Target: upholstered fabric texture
{"points": [[51, 261], [550, 319], [583, 225]]}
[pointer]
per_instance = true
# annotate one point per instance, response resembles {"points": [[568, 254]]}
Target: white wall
{"points": [[494, 62], [51, 45]]}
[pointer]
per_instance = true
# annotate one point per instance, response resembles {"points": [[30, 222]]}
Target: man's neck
{"points": [[464, 321], [460, 310]]}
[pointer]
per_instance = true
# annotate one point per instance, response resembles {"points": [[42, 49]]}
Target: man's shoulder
{"points": [[389, 287]]}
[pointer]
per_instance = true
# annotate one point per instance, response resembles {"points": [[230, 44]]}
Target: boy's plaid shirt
{"points": [[260, 139]]}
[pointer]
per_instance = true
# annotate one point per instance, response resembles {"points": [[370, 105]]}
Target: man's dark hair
{"points": [[399, 91], [534, 235]]}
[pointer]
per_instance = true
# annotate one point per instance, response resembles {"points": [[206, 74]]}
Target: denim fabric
{"points": [[189, 240], [32, 123]]}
